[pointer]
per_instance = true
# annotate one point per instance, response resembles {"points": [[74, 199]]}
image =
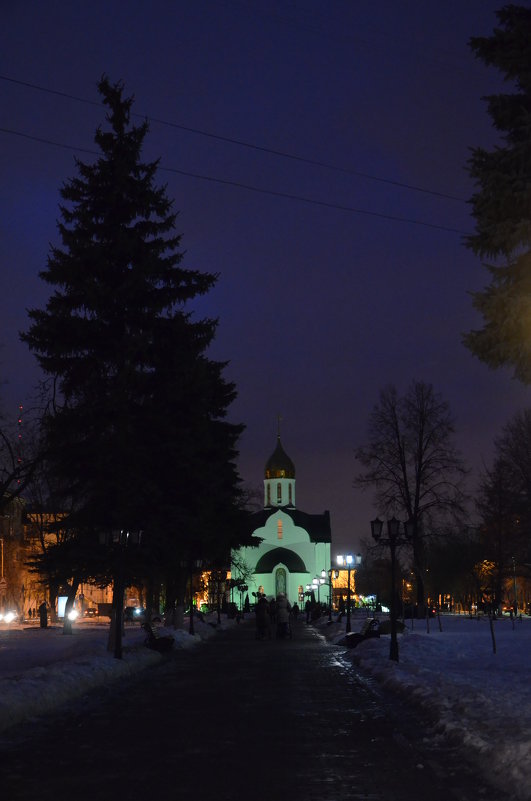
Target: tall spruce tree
{"points": [[135, 431], [502, 203]]}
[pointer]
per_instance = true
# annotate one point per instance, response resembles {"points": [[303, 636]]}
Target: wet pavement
{"points": [[239, 718]]}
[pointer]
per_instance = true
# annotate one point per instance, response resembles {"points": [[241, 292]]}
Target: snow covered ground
{"points": [[479, 698], [42, 668]]}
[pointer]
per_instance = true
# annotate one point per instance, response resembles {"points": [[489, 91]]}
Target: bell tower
{"points": [[279, 480]]}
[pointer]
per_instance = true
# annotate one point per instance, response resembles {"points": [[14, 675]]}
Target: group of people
{"points": [[273, 614]]}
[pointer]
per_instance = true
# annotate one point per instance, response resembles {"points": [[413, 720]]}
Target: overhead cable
{"points": [[249, 145], [250, 187]]}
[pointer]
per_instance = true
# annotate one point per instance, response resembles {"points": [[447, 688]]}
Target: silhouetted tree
{"points": [[412, 465], [497, 504], [502, 203], [451, 565], [19, 458], [134, 430], [504, 499]]}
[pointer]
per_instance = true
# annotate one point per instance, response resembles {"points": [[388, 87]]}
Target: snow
{"points": [[40, 669], [479, 698]]}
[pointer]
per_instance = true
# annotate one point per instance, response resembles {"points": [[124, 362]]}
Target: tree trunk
{"points": [[72, 592], [150, 593], [418, 569], [114, 642], [170, 606], [53, 588]]}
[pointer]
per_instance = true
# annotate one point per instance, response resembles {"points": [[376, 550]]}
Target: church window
{"points": [[279, 529], [268, 495], [279, 492], [290, 494]]}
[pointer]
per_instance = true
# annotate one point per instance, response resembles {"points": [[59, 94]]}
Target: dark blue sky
{"points": [[320, 303]]}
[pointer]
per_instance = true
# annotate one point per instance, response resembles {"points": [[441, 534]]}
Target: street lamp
{"points": [[349, 561], [308, 604], [197, 563], [218, 577], [514, 587], [328, 573], [393, 540]]}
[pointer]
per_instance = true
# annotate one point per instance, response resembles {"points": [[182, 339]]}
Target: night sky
{"points": [[331, 139]]}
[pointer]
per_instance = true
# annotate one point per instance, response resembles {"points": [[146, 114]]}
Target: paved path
{"points": [[237, 719]]}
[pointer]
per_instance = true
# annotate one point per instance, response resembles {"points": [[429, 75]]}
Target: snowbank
{"points": [[479, 698], [42, 668]]}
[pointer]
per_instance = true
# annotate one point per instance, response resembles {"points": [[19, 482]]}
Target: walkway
{"points": [[238, 719]]}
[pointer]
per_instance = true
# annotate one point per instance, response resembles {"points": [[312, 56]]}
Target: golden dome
{"points": [[279, 465]]}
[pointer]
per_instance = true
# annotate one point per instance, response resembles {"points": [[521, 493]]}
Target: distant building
{"points": [[25, 534], [295, 546]]}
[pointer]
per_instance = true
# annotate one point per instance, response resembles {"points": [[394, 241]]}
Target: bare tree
{"points": [[413, 466], [504, 504], [252, 497], [17, 460], [513, 448]]}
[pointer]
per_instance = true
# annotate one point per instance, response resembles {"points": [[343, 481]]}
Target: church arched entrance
{"points": [[280, 580]]}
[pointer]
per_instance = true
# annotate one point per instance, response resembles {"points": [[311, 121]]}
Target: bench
{"points": [[370, 629], [157, 642]]}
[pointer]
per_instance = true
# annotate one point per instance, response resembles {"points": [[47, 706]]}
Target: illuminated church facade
{"points": [[293, 547]]}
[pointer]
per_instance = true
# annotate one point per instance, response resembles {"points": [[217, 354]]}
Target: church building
{"points": [[293, 546]]}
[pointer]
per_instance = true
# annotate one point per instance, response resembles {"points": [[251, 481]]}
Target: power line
{"points": [[314, 202], [248, 145], [44, 141], [251, 188]]}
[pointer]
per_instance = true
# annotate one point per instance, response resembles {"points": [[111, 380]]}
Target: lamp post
{"points": [[322, 577], [197, 563], [329, 594], [317, 582], [514, 587], [219, 576], [393, 540], [349, 561]]}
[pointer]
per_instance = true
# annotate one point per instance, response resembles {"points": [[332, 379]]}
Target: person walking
{"points": [[263, 627], [43, 615], [273, 610], [283, 612]]}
